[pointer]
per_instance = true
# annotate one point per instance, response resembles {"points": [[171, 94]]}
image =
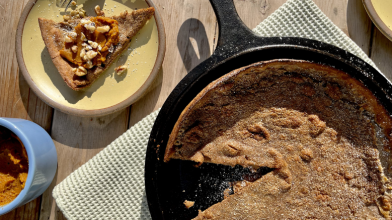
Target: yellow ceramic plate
{"points": [[380, 13], [110, 92]]}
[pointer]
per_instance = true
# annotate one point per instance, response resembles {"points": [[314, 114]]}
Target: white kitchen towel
{"points": [[111, 184]]}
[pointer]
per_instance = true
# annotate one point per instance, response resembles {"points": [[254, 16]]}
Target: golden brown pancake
{"points": [[53, 34], [323, 133]]}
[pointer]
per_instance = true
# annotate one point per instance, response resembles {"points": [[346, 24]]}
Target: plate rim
{"points": [[93, 112], [377, 21]]}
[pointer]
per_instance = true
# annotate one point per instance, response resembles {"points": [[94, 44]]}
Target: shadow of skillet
{"points": [[359, 25], [193, 30], [74, 97]]}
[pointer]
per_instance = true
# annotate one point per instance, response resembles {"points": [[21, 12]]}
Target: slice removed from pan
{"points": [[318, 128], [73, 68]]}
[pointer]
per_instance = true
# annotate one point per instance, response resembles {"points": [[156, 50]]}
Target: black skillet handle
{"points": [[233, 34]]}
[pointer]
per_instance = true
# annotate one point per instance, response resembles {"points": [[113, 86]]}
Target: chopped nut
{"points": [[85, 21], [88, 47], [99, 47], [93, 44], [81, 71], [82, 53], [90, 27], [83, 37], [77, 16], [119, 70], [73, 13], [68, 39], [66, 17], [89, 64], [72, 34], [103, 29], [98, 11], [91, 54], [74, 48], [73, 3], [84, 44], [85, 57]]}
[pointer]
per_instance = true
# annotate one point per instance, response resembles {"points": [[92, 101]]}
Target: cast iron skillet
{"points": [[169, 184]]}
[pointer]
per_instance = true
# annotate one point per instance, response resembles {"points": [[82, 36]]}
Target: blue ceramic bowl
{"points": [[42, 156]]}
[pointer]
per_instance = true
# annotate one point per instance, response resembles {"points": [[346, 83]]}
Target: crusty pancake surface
{"points": [[319, 129], [52, 33]]}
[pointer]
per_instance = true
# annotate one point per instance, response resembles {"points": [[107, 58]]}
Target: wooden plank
{"points": [[381, 53], [16, 99], [77, 140], [359, 25]]}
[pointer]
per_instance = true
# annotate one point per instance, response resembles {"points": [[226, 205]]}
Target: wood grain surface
{"points": [[191, 35]]}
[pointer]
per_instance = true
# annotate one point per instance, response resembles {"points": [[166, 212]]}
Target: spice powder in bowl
{"points": [[14, 166]]}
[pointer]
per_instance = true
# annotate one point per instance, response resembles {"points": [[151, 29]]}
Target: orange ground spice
{"points": [[14, 166]]}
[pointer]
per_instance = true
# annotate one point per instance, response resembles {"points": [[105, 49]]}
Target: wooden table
{"points": [[191, 35]]}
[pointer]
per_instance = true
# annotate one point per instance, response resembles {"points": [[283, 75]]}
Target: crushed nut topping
{"points": [[77, 13], [89, 64], [91, 54], [103, 29], [68, 39], [83, 37], [93, 44], [81, 71], [74, 48], [72, 34], [90, 41], [82, 53], [85, 21], [90, 27], [98, 11], [119, 70], [66, 18]]}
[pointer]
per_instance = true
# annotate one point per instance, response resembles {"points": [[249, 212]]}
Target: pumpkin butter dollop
{"points": [[90, 41]]}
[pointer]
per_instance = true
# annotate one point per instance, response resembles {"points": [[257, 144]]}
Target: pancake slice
{"points": [[129, 24]]}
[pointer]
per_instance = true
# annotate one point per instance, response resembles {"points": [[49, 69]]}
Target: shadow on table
{"points": [[193, 31]]}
